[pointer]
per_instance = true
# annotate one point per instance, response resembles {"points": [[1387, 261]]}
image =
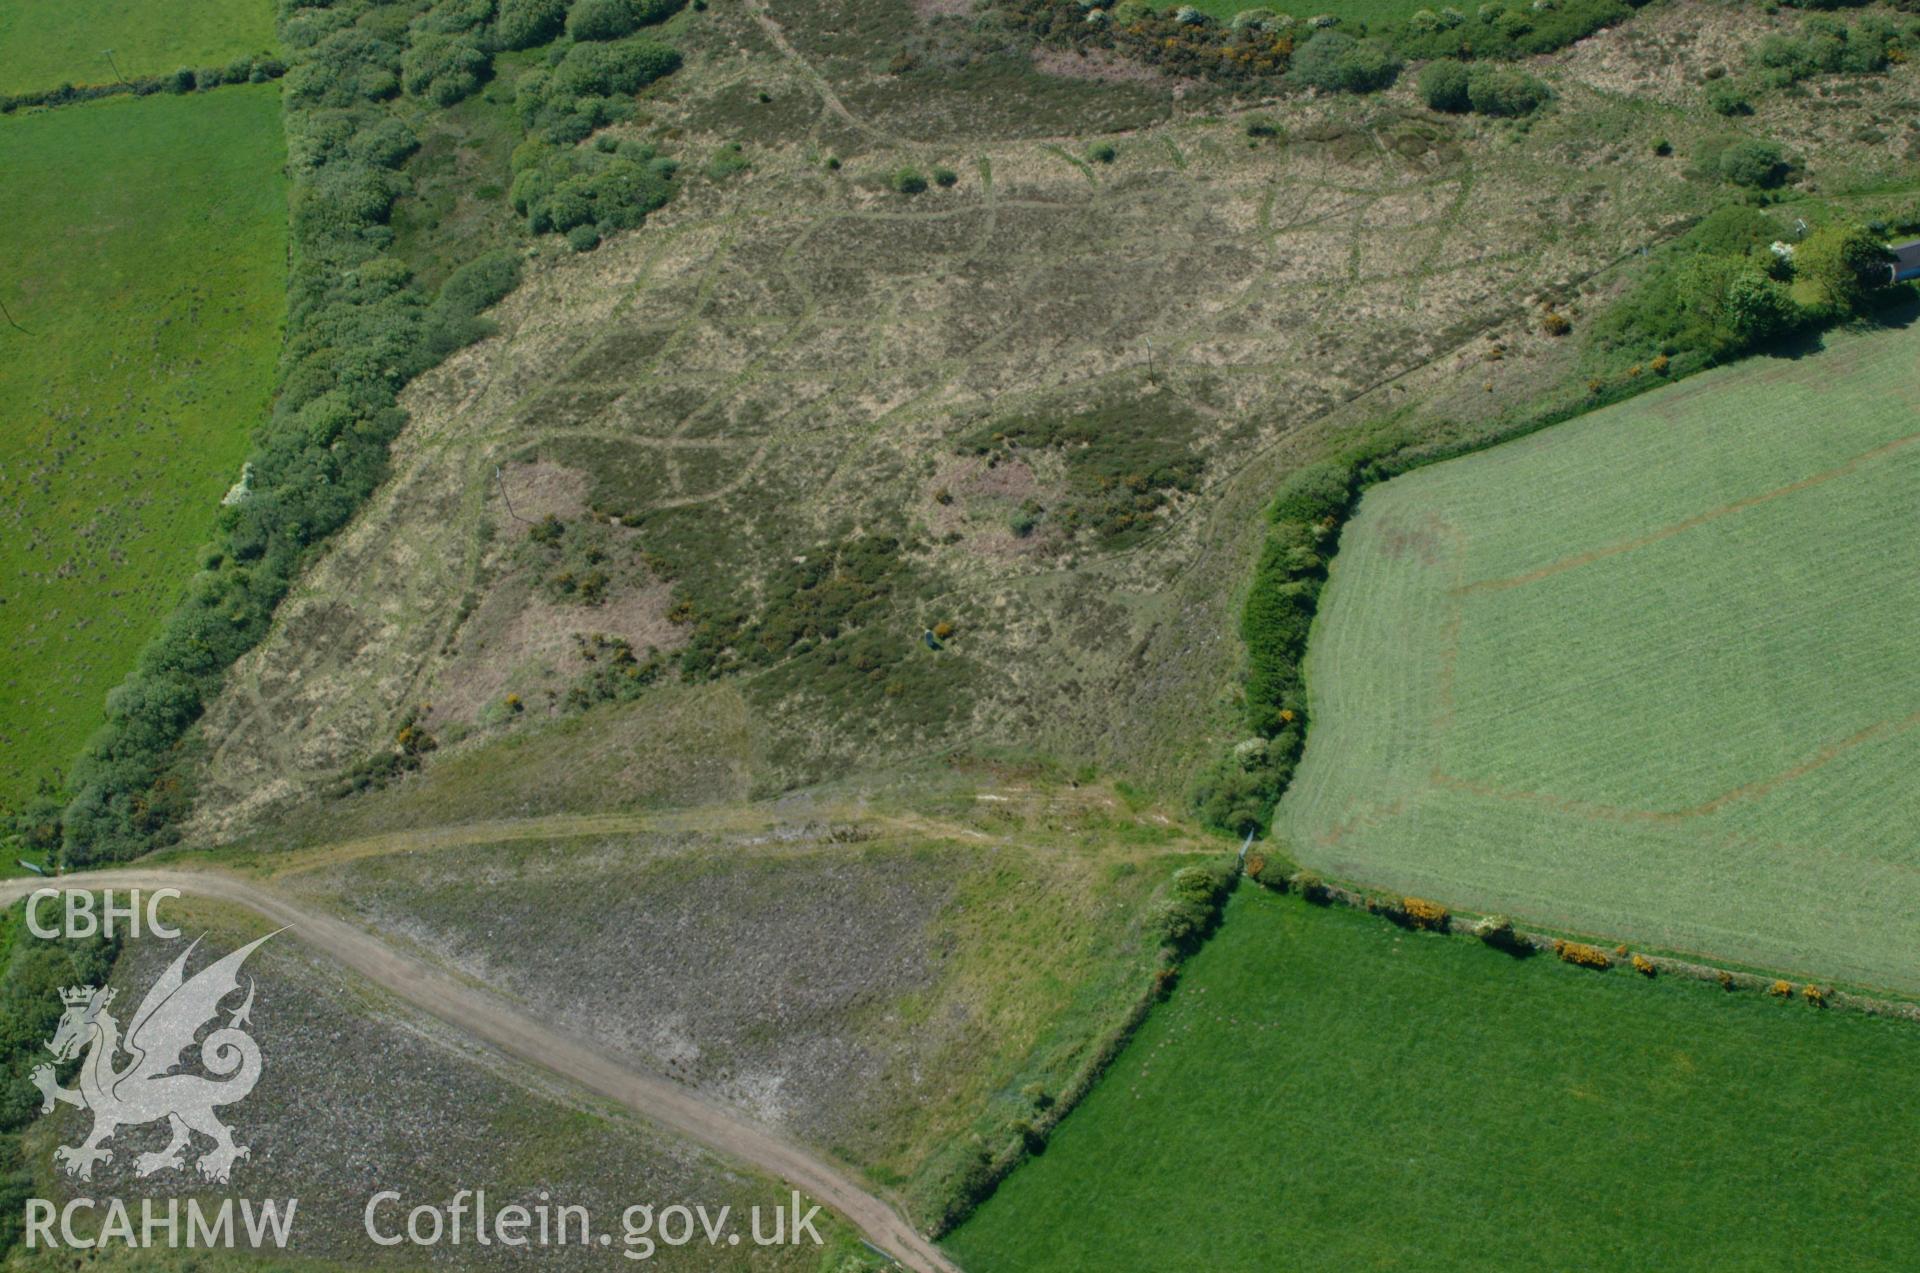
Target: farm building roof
{"points": [[1906, 261]]}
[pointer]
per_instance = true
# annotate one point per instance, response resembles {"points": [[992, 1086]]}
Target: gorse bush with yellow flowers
{"points": [[1583, 955]]}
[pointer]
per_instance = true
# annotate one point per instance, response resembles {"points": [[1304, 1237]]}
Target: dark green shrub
{"points": [[1732, 230], [386, 144], [1759, 165], [526, 24], [602, 19], [1315, 493], [908, 181], [1336, 62], [181, 81], [1755, 308], [456, 17], [1842, 261], [1102, 152], [1270, 867], [1726, 97], [1710, 294], [1192, 908], [945, 178], [1496, 32], [1504, 91], [453, 320], [583, 238], [623, 67], [611, 19], [1309, 885], [1827, 46], [1443, 86], [442, 68]]}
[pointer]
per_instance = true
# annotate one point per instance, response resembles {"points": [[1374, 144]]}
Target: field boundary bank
{"points": [[261, 68], [1306, 517], [1527, 943]]}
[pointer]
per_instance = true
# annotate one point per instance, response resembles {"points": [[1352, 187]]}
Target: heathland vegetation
{"points": [[1642, 674], [1356, 48], [366, 81], [1372, 1097], [143, 310]]}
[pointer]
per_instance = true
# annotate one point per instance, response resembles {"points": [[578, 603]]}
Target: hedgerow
{"points": [[1238, 793], [1192, 907], [967, 1172], [360, 326], [258, 69], [1719, 291]]}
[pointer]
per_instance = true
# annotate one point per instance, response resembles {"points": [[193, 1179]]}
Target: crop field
{"points": [[1515, 1114], [1647, 674], [144, 288], [67, 43]]}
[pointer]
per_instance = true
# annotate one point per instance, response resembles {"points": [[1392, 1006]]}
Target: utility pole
{"points": [[116, 66], [1149, 341]]}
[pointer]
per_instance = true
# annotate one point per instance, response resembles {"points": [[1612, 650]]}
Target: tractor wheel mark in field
{"points": [[1877, 732], [1852, 466]]}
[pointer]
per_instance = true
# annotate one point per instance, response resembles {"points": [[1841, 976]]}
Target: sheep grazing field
{"points": [[146, 285], [1648, 674], [1327, 1091]]}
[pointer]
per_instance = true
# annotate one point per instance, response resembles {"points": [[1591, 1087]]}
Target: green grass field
{"points": [[1647, 675], [48, 44], [1325, 1091], [145, 250], [1372, 12]]}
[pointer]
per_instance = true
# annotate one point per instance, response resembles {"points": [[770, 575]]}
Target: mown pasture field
{"points": [[145, 242], [48, 45], [1326, 1091], [1646, 675]]}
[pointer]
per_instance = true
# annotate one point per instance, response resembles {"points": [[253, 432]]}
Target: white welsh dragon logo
{"points": [[146, 1089]]}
